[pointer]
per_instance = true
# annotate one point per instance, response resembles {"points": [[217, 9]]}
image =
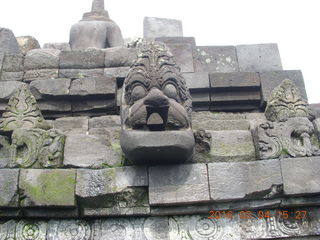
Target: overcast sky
{"points": [[293, 24]]}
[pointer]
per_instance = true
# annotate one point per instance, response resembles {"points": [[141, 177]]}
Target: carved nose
{"points": [[156, 98]]}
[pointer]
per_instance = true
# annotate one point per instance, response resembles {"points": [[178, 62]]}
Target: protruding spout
{"points": [[97, 6]]}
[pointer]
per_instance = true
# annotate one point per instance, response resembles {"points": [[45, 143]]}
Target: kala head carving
{"points": [[156, 109]]}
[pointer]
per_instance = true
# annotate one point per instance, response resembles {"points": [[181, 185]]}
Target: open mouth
{"points": [[157, 118]]}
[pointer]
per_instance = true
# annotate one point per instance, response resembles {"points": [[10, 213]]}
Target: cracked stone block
{"points": [[115, 191], [258, 57], [301, 175], [50, 88], [105, 122], [78, 154], [119, 57], [161, 27], [80, 73], [72, 124], [215, 59], [42, 59], [178, 184], [8, 88], [231, 146], [9, 196], [245, 180], [40, 74], [99, 85], [47, 187], [82, 59], [271, 79]]}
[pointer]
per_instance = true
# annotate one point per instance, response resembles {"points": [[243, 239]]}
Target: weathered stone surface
{"points": [[8, 42], [105, 122], [178, 184], [69, 229], [77, 153], [27, 43], [258, 57], [58, 46], [119, 57], [177, 40], [117, 72], [80, 73], [285, 101], [82, 59], [183, 54], [13, 63], [42, 59], [197, 80], [159, 101], [93, 86], [316, 124], [300, 175], [22, 112], [215, 59], [235, 80], [116, 191], [40, 74], [11, 76], [161, 27], [50, 212], [87, 105], [180, 210], [47, 187], [305, 201], [51, 87], [231, 146], [246, 180], [72, 124], [9, 196], [31, 229], [200, 227], [5, 151], [271, 79], [54, 106]]}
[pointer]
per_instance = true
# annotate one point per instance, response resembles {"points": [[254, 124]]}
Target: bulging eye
{"points": [[170, 90], [138, 92]]}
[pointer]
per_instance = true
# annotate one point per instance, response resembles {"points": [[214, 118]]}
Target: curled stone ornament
{"points": [[117, 229], [204, 229], [73, 230], [292, 226], [253, 228], [156, 228], [31, 230]]}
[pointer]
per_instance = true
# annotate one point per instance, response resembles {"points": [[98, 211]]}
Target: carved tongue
{"points": [[155, 119]]}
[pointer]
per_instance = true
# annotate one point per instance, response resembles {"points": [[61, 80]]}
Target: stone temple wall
{"points": [[254, 173]]}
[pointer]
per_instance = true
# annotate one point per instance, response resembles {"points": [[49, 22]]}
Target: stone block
{"points": [[252, 96], [177, 40], [8, 42], [59, 46], [47, 212], [82, 59], [300, 175], [119, 57], [235, 80], [78, 154], [117, 72], [197, 80], [316, 124], [271, 79], [87, 105], [50, 87], [178, 184], [200, 97], [8, 88], [40, 74], [93, 86], [54, 106], [258, 57], [27, 43], [245, 180], [183, 55], [161, 27], [80, 73], [11, 76], [72, 124], [47, 187], [69, 230], [215, 59], [5, 151], [232, 146], [105, 122], [13, 63], [9, 196], [42, 59], [180, 210]]}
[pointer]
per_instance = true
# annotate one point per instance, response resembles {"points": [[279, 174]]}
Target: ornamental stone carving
{"points": [[156, 109]]}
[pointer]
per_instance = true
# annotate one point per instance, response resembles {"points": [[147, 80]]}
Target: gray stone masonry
{"points": [[8, 88], [243, 80], [9, 196], [27, 43], [82, 59], [40, 74], [78, 125], [119, 57], [258, 57], [178, 184], [245, 180], [161, 27], [301, 175], [43, 89], [8, 42], [80, 73], [42, 59]]}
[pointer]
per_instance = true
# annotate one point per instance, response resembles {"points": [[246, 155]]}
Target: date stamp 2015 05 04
{"points": [[284, 214]]}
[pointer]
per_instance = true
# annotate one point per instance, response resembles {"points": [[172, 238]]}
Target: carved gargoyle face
{"points": [[156, 109], [155, 95]]}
